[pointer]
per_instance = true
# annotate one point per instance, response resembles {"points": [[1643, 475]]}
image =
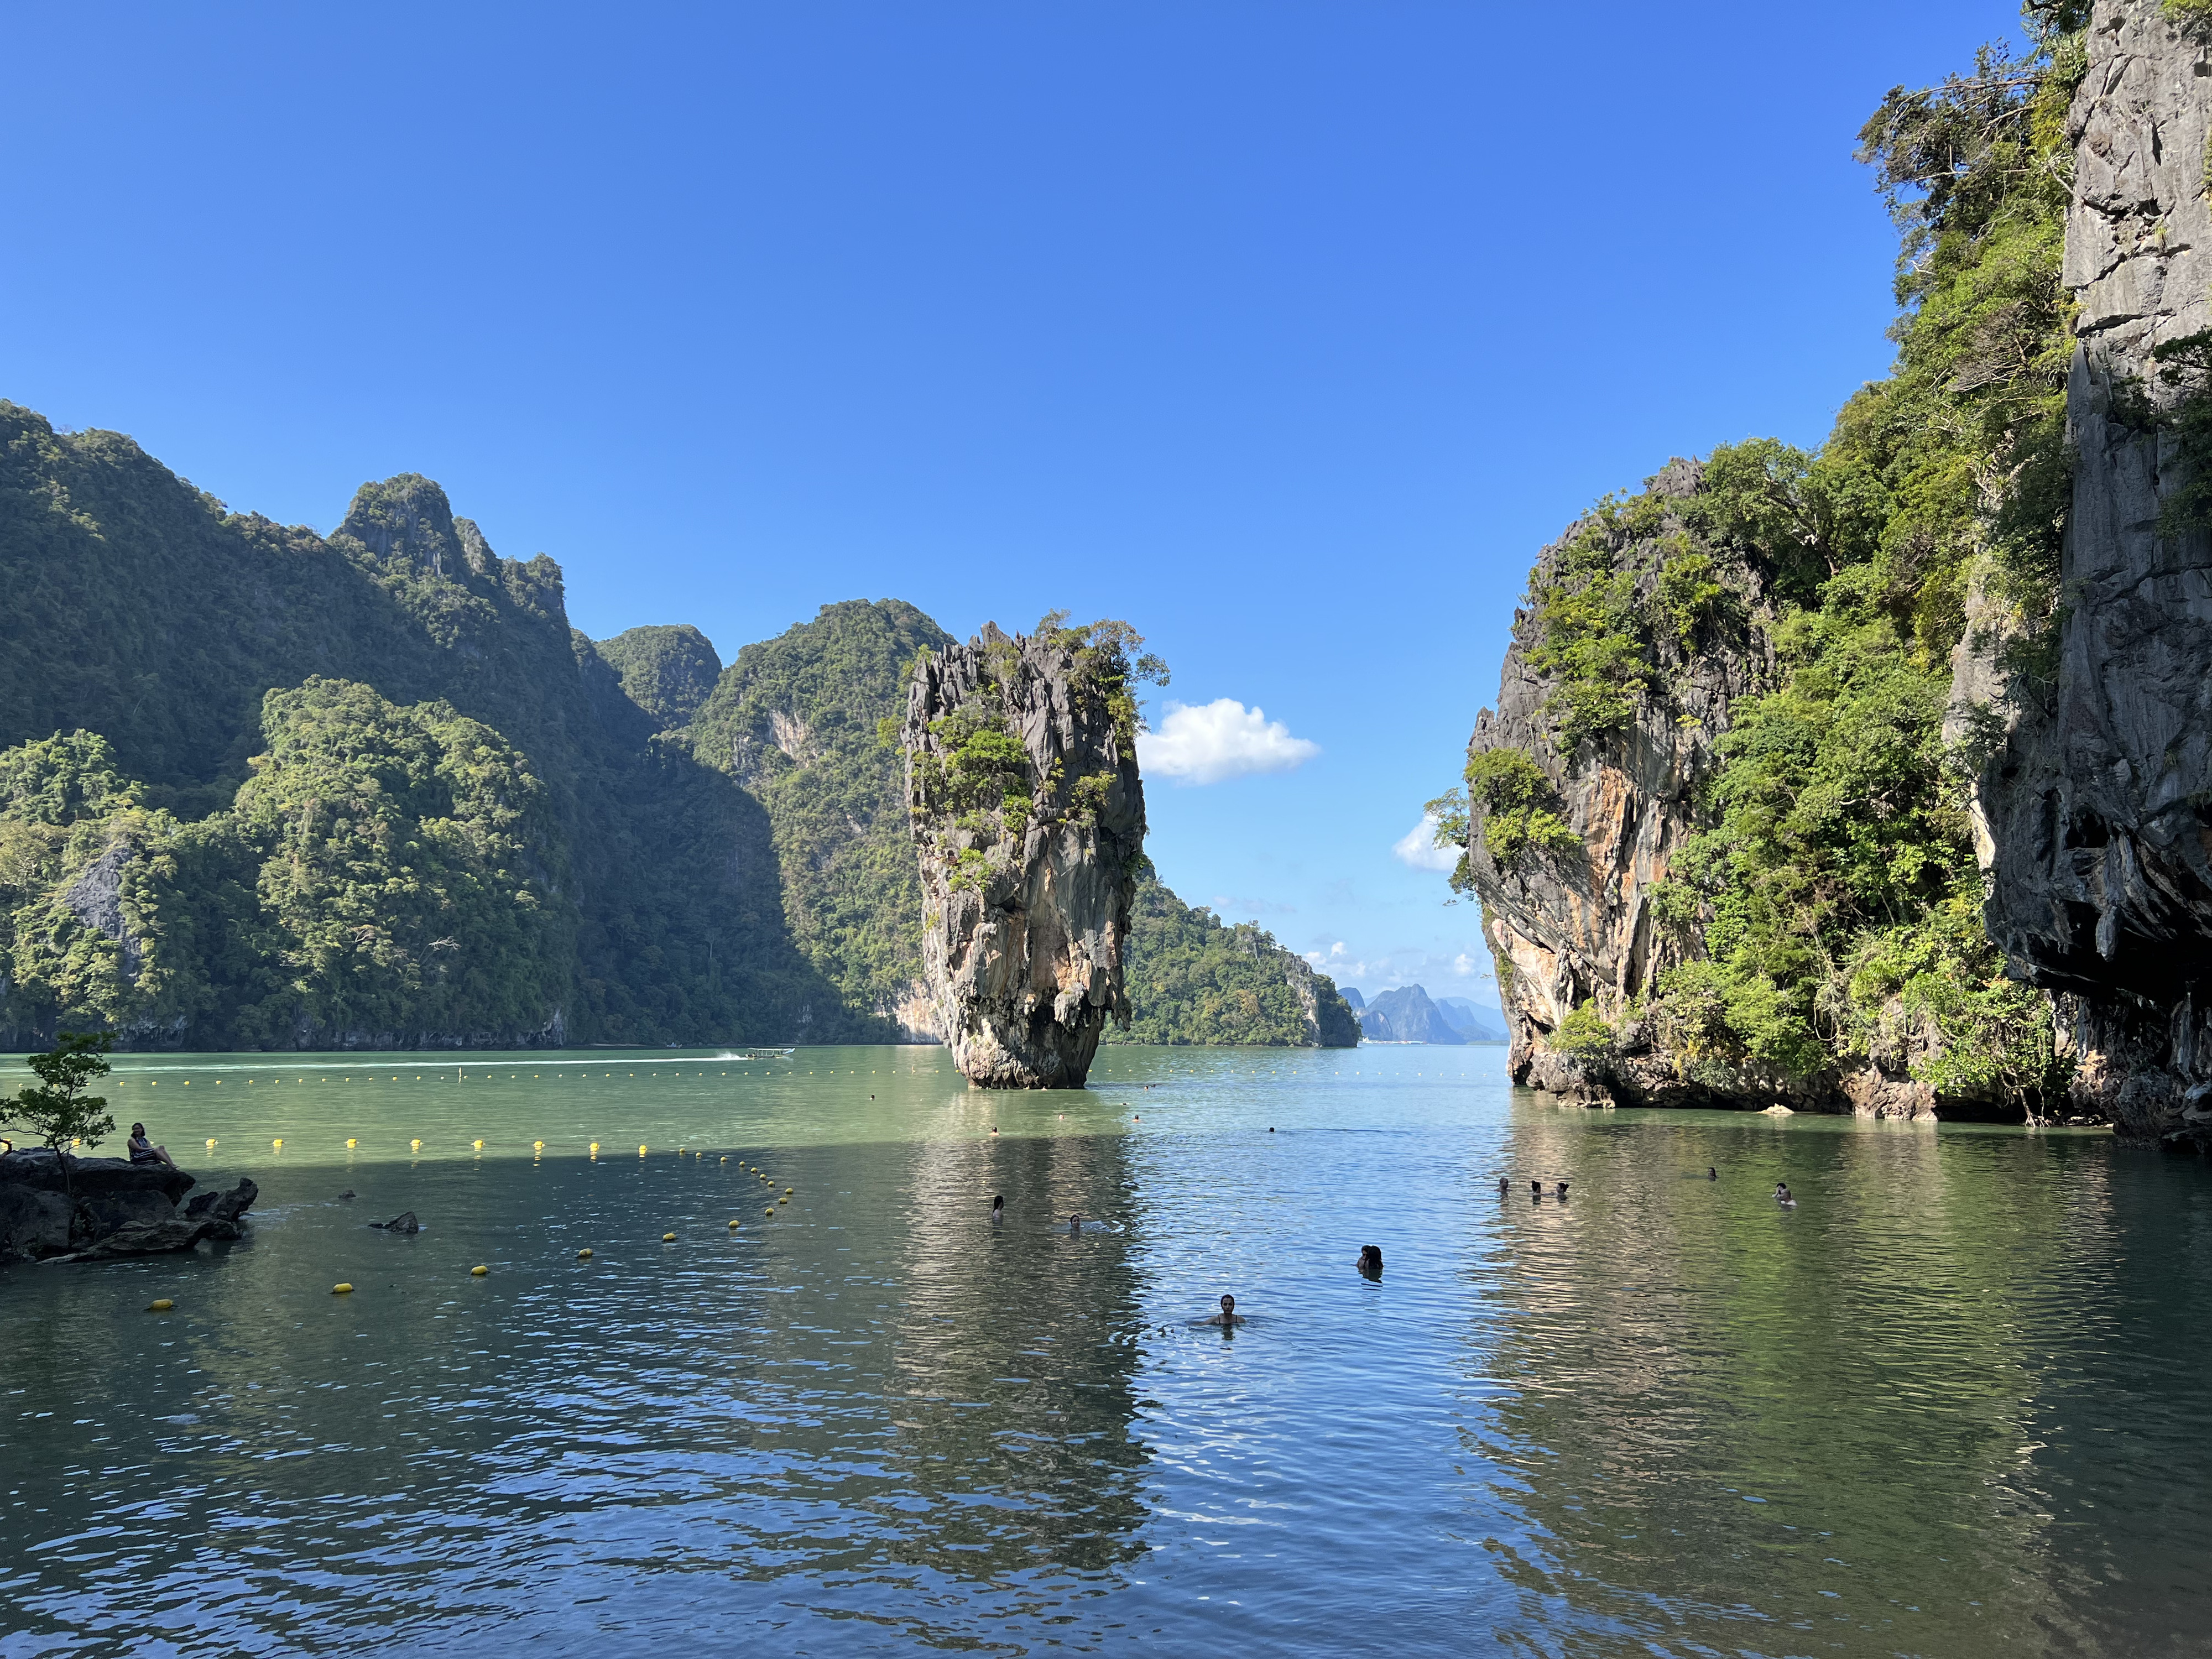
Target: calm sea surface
{"points": [[1956, 1403]]}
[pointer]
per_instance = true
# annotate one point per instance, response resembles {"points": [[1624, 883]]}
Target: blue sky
{"points": [[1289, 332]]}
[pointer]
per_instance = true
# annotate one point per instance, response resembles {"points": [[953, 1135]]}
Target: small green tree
{"points": [[56, 1109]]}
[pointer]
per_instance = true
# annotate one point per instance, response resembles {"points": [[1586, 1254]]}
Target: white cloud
{"points": [[1417, 846], [1209, 741]]}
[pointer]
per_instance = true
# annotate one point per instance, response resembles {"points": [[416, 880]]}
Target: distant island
{"points": [[1408, 1014]]}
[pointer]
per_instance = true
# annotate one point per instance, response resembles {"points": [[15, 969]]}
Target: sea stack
{"points": [[1028, 817]]}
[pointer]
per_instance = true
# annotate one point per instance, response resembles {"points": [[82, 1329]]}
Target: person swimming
{"points": [[1562, 1190], [1504, 1186], [1228, 1315], [998, 1210], [1711, 1174], [1075, 1224], [1535, 1190], [1371, 1261], [1782, 1195]]}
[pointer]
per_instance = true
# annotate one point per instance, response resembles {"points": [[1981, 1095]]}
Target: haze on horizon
{"points": [[1289, 334]]}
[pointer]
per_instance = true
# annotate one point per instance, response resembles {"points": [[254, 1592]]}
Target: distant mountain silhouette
{"points": [[1468, 1020], [1351, 995], [1406, 1015]]}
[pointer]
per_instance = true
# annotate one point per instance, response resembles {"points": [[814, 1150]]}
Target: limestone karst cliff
{"points": [[2096, 807], [1912, 821], [1589, 777], [1028, 818]]}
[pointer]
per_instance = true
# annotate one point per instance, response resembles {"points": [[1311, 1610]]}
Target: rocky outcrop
{"points": [[1572, 922], [1568, 927], [120, 1208], [1028, 818], [2095, 812]]}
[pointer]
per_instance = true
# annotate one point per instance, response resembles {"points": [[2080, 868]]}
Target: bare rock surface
{"points": [[121, 1209], [2096, 812], [1028, 818]]}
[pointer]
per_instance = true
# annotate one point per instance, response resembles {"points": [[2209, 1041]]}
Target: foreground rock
{"points": [[2094, 811], [1028, 818], [121, 1209]]}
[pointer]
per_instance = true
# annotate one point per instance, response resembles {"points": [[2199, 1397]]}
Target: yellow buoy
{"points": [[769, 1211], [733, 1224], [478, 1273], [277, 1144], [537, 1145], [415, 1146], [668, 1239], [595, 1149], [726, 1160], [584, 1254], [641, 1152], [162, 1306], [341, 1289], [788, 1191], [210, 1143], [479, 1145], [350, 1140]]}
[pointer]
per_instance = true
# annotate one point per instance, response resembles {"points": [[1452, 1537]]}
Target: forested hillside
{"points": [[1192, 979], [260, 788]]}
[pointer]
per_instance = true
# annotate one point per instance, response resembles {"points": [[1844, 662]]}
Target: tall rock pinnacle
{"points": [[1028, 818]]}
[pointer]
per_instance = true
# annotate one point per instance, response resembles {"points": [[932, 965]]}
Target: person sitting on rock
{"points": [[143, 1151]]}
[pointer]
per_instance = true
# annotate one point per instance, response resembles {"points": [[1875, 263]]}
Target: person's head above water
{"points": [[1371, 1261]]}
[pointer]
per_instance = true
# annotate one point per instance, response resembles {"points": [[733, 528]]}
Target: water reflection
{"points": [[1730, 1425], [1950, 1405]]}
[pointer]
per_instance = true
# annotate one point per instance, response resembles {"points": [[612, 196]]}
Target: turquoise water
{"points": [[1951, 1405]]}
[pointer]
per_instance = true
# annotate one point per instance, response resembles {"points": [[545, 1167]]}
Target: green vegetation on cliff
{"points": [[1831, 907], [143, 899], [1192, 979], [260, 788], [795, 720]]}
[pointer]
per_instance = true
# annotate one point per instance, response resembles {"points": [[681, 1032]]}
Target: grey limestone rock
{"points": [[1028, 818], [2095, 812], [1579, 927]]}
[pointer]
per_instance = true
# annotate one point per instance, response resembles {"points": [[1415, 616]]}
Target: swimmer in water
{"points": [[1535, 1190], [998, 1210], [1504, 1186], [1075, 1224], [1228, 1315], [1782, 1195], [1371, 1261], [1711, 1174], [1563, 1189]]}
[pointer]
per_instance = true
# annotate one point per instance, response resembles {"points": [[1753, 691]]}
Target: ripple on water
{"points": [[1949, 1406]]}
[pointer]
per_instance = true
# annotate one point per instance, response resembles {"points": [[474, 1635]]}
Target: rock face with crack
{"points": [[1028, 818], [2096, 811]]}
